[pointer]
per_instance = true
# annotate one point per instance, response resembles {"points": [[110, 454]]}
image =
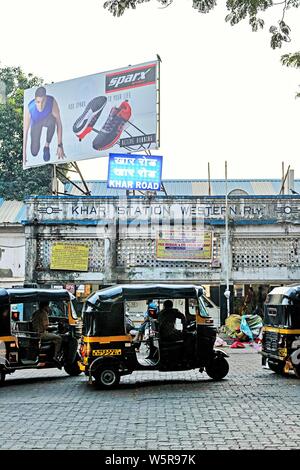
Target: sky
{"points": [[224, 93]]}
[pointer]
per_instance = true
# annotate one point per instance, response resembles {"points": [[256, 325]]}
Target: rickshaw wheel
{"points": [[217, 369], [277, 367], [72, 369], [2, 378], [107, 377]]}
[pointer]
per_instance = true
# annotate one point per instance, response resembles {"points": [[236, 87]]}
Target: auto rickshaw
{"points": [[108, 351], [281, 330], [20, 346]]}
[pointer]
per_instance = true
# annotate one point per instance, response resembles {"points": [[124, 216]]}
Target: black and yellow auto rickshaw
{"points": [[281, 330], [108, 351], [20, 346]]}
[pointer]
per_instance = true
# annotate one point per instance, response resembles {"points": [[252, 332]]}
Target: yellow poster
{"points": [[184, 248], [69, 257]]}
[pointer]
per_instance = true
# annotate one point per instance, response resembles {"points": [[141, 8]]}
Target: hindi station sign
{"points": [[140, 172]]}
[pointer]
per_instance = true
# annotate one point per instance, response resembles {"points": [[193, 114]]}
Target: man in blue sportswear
{"points": [[42, 111]]}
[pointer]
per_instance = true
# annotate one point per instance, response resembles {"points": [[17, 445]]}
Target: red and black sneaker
{"points": [[113, 127], [85, 123]]}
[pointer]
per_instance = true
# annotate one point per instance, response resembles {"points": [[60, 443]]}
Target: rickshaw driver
{"points": [[40, 322], [166, 321]]}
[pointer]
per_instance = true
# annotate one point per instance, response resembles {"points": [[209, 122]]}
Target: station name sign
{"points": [[124, 209], [134, 172]]}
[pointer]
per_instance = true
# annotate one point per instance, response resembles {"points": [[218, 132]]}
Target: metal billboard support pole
{"points": [[158, 98], [59, 175], [75, 165], [54, 180]]}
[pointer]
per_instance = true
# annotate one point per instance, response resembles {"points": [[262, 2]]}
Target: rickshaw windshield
{"points": [[61, 309], [203, 312]]}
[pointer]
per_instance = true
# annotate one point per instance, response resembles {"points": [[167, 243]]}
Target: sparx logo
{"points": [[135, 77]]}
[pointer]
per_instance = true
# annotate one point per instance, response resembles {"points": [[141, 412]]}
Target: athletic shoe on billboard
{"points": [[113, 127], [85, 123]]}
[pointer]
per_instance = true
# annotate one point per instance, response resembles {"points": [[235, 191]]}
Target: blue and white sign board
{"points": [[127, 171]]}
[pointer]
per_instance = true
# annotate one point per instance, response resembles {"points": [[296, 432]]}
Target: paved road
{"points": [[252, 409]]}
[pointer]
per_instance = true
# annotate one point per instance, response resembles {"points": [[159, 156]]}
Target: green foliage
{"points": [[14, 182], [238, 10], [292, 60]]}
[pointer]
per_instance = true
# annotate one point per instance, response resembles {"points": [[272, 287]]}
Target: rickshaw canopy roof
{"points": [[121, 292], [278, 294], [23, 294]]}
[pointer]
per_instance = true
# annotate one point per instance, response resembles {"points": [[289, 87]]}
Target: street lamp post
{"points": [[227, 292]]}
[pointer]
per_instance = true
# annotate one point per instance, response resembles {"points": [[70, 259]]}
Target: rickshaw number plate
{"points": [[107, 352]]}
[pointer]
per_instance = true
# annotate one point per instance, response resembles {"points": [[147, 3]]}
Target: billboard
{"points": [[193, 247], [139, 172], [69, 257], [90, 116]]}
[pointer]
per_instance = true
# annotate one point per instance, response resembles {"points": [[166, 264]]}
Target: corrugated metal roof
{"points": [[264, 188], [200, 188], [180, 186], [97, 188], [252, 187], [11, 212]]}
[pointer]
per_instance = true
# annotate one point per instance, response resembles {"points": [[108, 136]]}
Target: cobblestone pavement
{"points": [[253, 408]]}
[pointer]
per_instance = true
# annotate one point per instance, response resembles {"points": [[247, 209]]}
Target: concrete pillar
{"points": [[31, 237], [110, 255]]}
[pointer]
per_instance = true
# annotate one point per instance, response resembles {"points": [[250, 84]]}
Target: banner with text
{"points": [[189, 246], [69, 257]]}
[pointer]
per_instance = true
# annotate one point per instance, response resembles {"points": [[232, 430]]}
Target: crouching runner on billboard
{"points": [[42, 111]]}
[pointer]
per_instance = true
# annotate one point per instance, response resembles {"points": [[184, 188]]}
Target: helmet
{"points": [[152, 306]]}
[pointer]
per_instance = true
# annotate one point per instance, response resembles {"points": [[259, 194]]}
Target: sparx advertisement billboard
{"points": [[89, 117]]}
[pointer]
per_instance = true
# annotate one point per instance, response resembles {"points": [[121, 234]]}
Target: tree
{"points": [[239, 10], [15, 183], [292, 60]]}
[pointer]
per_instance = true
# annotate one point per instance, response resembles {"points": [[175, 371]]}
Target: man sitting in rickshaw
{"points": [[40, 323], [167, 320]]}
